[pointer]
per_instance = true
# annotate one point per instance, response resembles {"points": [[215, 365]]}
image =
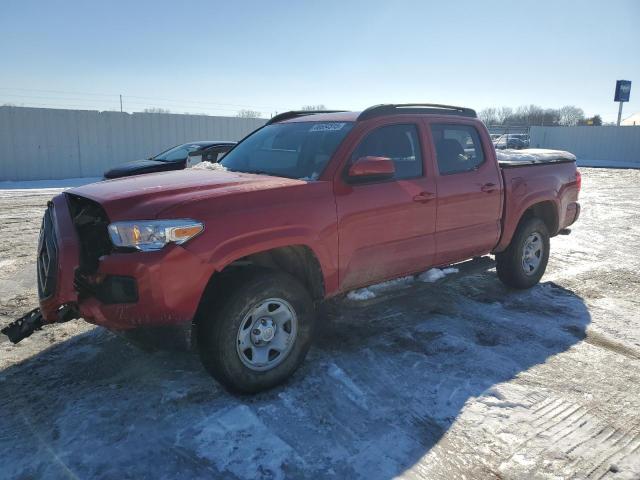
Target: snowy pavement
{"points": [[10, 189], [456, 378]]}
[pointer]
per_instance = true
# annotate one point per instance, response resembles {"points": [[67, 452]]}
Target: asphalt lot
{"points": [[462, 377]]}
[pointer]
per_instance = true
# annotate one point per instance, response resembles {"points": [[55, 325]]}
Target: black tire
{"points": [[225, 309], [509, 264]]}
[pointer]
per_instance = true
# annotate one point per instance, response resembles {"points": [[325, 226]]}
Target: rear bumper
{"points": [[168, 284]]}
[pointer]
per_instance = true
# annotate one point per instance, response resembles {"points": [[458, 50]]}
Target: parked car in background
{"points": [[174, 158], [308, 207], [522, 136], [511, 141]]}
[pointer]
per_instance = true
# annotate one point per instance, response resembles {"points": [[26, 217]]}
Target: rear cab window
{"points": [[458, 148]]}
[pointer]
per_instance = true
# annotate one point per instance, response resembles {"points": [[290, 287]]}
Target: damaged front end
{"points": [[72, 239], [91, 222], [83, 274], [32, 321]]}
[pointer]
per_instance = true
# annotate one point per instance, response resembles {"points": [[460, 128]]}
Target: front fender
{"points": [[233, 249]]}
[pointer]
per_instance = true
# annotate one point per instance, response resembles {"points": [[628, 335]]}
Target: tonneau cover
{"points": [[530, 156]]}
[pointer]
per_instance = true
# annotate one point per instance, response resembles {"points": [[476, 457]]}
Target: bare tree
{"points": [[313, 108], [248, 114], [527, 115], [503, 114], [570, 115], [489, 116], [496, 116], [156, 110]]}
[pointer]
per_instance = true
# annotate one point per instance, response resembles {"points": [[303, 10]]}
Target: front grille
{"points": [[90, 222], [47, 262]]}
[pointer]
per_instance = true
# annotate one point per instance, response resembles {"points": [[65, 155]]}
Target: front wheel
{"points": [[254, 336], [524, 261]]}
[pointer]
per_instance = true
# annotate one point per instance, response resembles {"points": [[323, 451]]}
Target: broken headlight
{"points": [[149, 235]]}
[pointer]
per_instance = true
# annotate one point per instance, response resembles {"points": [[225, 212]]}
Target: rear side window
{"points": [[458, 148], [397, 142]]}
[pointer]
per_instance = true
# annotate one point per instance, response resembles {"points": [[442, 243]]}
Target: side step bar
{"points": [[24, 326]]}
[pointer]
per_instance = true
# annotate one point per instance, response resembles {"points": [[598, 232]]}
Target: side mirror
{"points": [[372, 168]]}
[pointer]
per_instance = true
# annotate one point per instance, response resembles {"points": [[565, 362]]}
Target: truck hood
{"points": [[147, 196]]}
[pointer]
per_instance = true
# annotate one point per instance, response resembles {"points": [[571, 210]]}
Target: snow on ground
{"points": [[435, 274], [585, 162], [430, 276], [461, 378], [42, 187]]}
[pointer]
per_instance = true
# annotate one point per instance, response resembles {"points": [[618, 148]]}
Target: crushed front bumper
{"points": [[32, 321], [127, 289], [169, 284], [24, 326]]}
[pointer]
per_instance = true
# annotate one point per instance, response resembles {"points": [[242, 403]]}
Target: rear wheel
{"points": [[256, 332], [524, 261]]}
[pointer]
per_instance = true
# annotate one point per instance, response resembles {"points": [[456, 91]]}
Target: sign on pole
{"points": [[623, 92]]}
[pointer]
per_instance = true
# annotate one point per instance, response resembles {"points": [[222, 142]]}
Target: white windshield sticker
{"points": [[327, 127]]}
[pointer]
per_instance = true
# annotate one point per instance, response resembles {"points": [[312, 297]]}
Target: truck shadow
{"points": [[386, 380]]}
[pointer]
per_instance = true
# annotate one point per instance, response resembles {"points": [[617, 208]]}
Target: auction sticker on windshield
{"points": [[327, 127]]}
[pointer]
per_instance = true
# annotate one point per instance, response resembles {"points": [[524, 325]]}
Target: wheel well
{"points": [[297, 260], [545, 211]]}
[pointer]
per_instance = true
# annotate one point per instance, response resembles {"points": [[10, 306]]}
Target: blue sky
{"points": [[218, 57]]}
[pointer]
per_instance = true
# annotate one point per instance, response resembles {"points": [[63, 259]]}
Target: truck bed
{"points": [[532, 156]]}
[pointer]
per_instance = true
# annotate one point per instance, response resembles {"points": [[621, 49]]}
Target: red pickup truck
{"points": [[309, 206]]}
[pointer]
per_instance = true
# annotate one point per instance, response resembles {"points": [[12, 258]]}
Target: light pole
{"points": [[620, 112]]}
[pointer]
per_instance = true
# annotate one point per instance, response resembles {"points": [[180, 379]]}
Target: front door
{"points": [[386, 228]]}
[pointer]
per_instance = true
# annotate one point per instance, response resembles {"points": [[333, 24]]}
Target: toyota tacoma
{"points": [[309, 206]]}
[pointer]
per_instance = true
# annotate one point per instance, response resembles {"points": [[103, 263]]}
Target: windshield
{"points": [[177, 153], [293, 150]]}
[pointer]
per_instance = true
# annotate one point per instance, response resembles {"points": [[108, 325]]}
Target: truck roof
{"points": [[372, 112], [321, 117]]}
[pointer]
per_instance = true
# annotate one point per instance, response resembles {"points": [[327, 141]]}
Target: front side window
{"points": [[294, 150], [397, 142], [458, 148]]}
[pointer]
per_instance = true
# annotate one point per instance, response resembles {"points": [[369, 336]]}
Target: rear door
{"points": [[386, 228], [469, 192]]}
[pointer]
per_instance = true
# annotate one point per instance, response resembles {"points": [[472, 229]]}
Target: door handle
{"points": [[423, 197], [488, 187]]}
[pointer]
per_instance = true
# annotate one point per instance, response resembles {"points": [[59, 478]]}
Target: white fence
{"points": [[44, 144], [594, 146]]}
